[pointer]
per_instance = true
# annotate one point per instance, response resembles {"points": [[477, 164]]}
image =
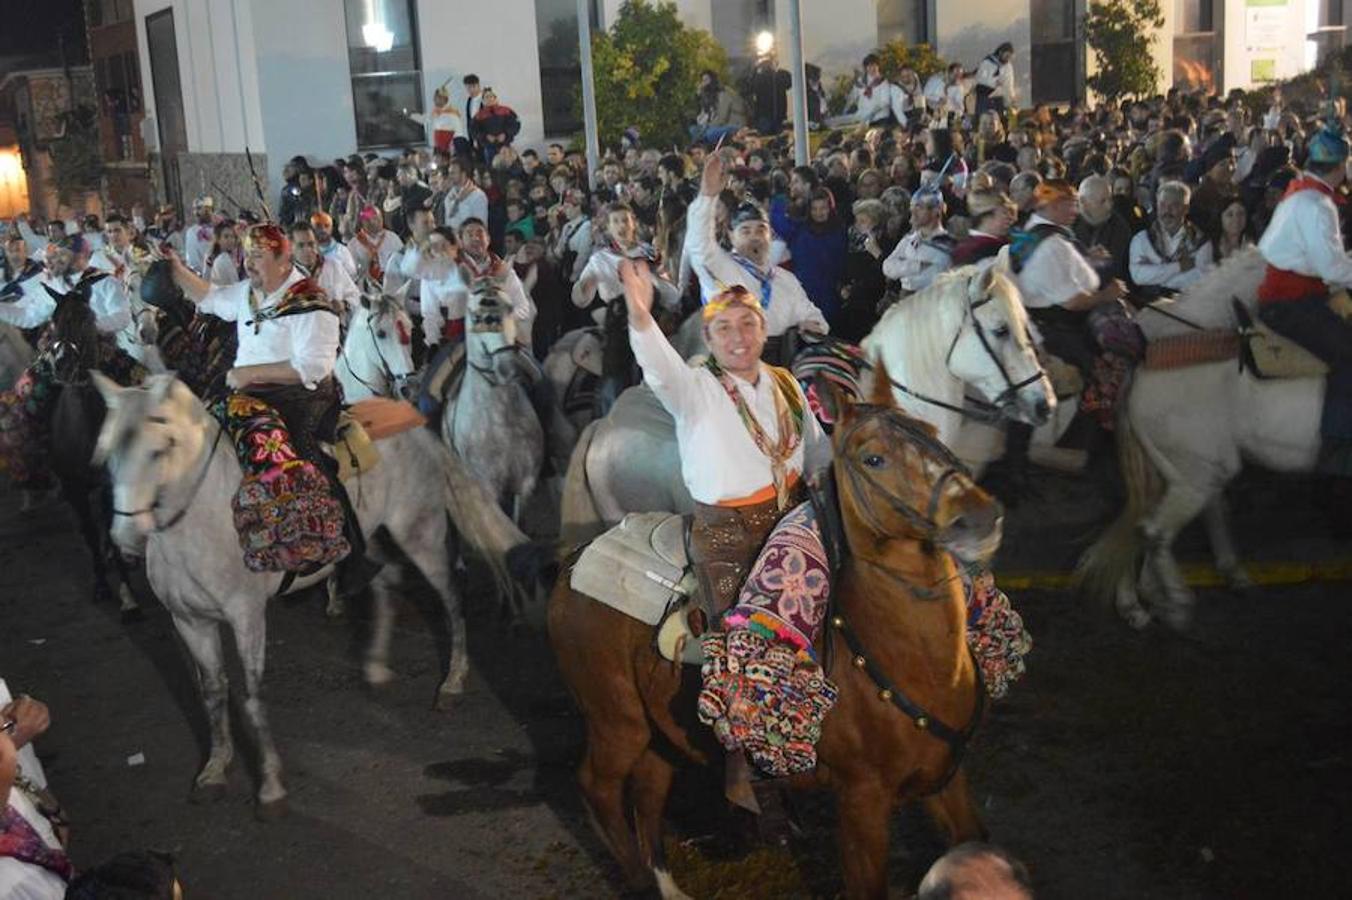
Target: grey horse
{"points": [[174, 473]]}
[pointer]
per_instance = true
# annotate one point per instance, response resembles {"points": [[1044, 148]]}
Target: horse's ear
{"points": [[160, 387], [881, 395], [110, 390], [980, 286]]}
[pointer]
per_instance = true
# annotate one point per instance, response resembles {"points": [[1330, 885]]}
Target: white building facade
{"points": [[326, 78]]}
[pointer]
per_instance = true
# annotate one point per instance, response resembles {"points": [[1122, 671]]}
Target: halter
{"points": [[192, 495], [385, 367], [912, 432]]}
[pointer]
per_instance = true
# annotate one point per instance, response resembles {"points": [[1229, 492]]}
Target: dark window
{"points": [[903, 20], [1056, 55], [560, 68], [382, 53], [1195, 16], [1331, 14], [162, 48]]}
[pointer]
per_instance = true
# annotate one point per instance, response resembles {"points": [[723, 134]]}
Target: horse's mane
{"points": [[1209, 302], [912, 336]]}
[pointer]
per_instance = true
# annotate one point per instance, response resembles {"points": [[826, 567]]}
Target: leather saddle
{"points": [[1267, 354]]}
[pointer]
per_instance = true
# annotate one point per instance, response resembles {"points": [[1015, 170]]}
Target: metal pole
{"points": [[588, 91], [799, 83]]}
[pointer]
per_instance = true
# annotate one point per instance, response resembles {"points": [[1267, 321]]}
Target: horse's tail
{"points": [[480, 521], [580, 520], [1116, 557]]}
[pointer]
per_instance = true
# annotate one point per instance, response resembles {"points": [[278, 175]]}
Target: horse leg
{"points": [[1217, 520], [433, 561], [79, 500], [954, 811], [863, 808], [376, 668], [335, 608], [1179, 506], [649, 786], [1127, 598], [611, 756], [250, 629], [203, 640], [129, 608]]}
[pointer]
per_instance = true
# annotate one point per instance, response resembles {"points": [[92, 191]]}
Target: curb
{"points": [[1263, 574]]}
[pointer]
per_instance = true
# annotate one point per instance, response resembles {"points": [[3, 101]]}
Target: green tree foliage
{"points": [[1121, 34], [76, 163], [647, 73], [898, 55]]}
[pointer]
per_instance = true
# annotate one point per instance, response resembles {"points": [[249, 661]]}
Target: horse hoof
{"points": [[334, 611], [204, 794], [1238, 580], [271, 810], [446, 701], [1136, 619], [132, 615], [378, 674]]}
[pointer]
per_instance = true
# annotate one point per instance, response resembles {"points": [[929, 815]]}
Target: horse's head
{"points": [[491, 332], [380, 340], [994, 353], [74, 348], [897, 480], [152, 437]]}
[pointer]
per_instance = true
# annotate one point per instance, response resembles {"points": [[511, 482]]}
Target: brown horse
{"points": [[910, 695]]}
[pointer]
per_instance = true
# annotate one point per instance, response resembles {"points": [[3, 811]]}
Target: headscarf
{"points": [[728, 298], [267, 237]]}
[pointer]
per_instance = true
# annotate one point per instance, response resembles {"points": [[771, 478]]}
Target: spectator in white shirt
{"points": [[198, 238], [444, 296], [573, 248], [225, 262], [327, 272], [994, 81], [465, 200], [333, 249], [373, 247], [1172, 254], [925, 251], [877, 101], [946, 94]]}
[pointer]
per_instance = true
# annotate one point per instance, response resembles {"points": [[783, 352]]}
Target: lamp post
{"points": [[798, 93], [588, 91]]}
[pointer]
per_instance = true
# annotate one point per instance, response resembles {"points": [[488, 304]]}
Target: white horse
{"points": [[174, 473], [490, 421], [377, 357], [1183, 434], [968, 329]]}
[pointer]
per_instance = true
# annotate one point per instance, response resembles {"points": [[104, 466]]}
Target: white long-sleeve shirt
{"points": [[108, 299], [338, 252], [460, 208], [719, 459], [716, 269], [1304, 237], [334, 280], [444, 298], [1056, 272], [916, 261], [308, 342], [943, 98], [875, 106], [120, 264], [575, 237], [1150, 269], [999, 77], [385, 248], [603, 269]]}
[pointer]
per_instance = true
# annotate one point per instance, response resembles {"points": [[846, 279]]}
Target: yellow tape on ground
{"points": [[1263, 574]]}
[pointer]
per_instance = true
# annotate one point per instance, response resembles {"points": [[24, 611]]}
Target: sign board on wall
{"points": [[1267, 29]]}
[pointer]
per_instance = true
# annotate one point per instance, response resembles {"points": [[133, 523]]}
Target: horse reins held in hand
{"points": [[197, 486]]}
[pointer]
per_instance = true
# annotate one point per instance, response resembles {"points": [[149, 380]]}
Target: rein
{"points": [[911, 432], [1175, 316], [390, 378], [192, 495]]}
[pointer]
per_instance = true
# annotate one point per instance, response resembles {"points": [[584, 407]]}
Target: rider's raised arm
{"points": [[194, 286], [111, 305], [664, 371]]}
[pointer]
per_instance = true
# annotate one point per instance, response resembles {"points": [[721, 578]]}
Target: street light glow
{"points": [[765, 42]]}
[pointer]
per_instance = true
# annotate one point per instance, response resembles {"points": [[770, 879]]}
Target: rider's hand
{"points": [[30, 716], [711, 182], [637, 279], [235, 380], [1113, 290]]}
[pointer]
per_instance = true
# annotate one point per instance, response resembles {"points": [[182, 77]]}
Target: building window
{"points": [[1056, 54], [382, 53], [560, 66], [903, 20], [1197, 61], [736, 23], [108, 12]]}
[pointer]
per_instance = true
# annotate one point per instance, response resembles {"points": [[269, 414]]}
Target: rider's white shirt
{"points": [[916, 262], [386, 247], [460, 209], [1304, 237], [121, 265], [1056, 272], [716, 269], [308, 341], [1150, 269], [604, 269], [444, 297], [337, 252], [719, 459]]}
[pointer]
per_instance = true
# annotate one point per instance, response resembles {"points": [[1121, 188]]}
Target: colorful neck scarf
{"points": [[373, 268], [789, 413], [766, 280], [20, 840], [1187, 246], [492, 265]]}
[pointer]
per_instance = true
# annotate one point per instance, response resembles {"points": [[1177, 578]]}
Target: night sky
{"points": [[31, 27]]}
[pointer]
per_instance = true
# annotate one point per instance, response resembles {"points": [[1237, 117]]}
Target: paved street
{"points": [[1125, 765]]}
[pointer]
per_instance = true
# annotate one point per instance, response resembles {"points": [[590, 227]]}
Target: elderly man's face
{"points": [[60, 261], [1171, 210], [1096, 203], [266, 268]]}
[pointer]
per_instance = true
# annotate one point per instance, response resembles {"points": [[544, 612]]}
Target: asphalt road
{"points": [[1124, 765]]}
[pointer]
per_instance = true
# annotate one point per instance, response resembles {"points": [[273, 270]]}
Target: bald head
{"points": [[976, 871], [1096, 199]]}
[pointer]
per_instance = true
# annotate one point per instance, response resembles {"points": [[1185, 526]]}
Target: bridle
{"points": [[914, 433], [490, 322], [385, 368], [192, 495]]}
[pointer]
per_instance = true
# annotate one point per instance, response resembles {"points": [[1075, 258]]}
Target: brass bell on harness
{"points": [[922, 723], [860, 662], [837, 622], [885, 695]]}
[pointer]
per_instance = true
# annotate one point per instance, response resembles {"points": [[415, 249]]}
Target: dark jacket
{"points": [[1114, 236]]}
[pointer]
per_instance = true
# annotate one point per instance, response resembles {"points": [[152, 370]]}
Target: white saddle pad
{"points": [[638, 567]]}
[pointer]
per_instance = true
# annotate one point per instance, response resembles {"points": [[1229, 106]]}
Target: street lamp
{"points": [[765, 42], [374, 33]]}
